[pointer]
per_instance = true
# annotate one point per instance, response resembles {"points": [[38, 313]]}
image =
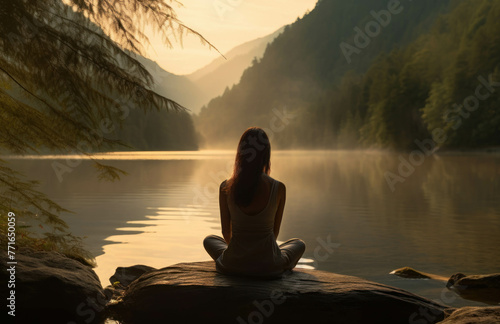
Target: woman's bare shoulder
{"points": [[223, 185], [281, 185], [281, 188]]}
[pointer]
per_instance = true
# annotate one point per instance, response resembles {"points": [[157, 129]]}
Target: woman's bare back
{"points": [[261, 198]]}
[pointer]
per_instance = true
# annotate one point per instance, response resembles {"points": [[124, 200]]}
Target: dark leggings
{"points": [[292, 249]]}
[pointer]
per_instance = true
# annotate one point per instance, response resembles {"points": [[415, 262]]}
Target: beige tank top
{"points": [[253, 249]]}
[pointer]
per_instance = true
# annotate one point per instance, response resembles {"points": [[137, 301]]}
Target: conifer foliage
{"points": [[66, 71]]}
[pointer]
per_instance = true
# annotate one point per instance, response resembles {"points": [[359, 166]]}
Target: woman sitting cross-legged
{"points": [[251, 208]]}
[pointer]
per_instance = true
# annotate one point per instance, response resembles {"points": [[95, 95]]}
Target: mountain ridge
{"points": [[305, 71], [254, 45], [196, 89]]}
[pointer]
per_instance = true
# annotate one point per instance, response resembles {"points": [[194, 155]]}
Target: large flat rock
{"points": [[195, 292]]}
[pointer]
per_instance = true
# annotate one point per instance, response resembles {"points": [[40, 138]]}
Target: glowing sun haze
{"points": [[226, 24]]}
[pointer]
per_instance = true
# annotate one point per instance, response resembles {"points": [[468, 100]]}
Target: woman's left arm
{"points": [[281, 207]]}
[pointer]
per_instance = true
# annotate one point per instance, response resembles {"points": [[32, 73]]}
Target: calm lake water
{"points": [[444, 218]]}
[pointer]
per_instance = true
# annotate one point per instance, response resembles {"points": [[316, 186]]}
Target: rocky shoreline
{"points": [[481, 288], [53, 288]]}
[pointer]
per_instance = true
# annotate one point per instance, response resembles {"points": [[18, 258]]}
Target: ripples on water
{"points": [[445, 217]]}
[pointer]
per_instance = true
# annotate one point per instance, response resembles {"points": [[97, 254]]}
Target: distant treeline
{"points": [[157, 131], [371, 73]]}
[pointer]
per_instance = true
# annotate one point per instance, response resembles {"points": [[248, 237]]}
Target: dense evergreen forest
{"points": [[365, 73], [158, 131]]}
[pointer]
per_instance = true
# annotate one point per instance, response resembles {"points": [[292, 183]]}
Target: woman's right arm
{"points": [[225, 216]]}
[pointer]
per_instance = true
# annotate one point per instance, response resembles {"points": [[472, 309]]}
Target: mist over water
{"points": [[444, 218]]}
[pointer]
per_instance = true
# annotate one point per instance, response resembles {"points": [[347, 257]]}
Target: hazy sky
{"points": [[226, 24]]}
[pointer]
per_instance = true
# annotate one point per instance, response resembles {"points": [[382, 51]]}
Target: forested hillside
{"points": [[158, 131], [347, 83], [176, 87], [441, 87], [162, 130]]}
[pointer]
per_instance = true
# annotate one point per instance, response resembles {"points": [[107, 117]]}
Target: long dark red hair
{"points": [[253, 157]]}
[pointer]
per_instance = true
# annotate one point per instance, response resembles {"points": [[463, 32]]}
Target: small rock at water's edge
{"points": [[474, 315], [125, 275], [483, 288], [408, 272]]}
